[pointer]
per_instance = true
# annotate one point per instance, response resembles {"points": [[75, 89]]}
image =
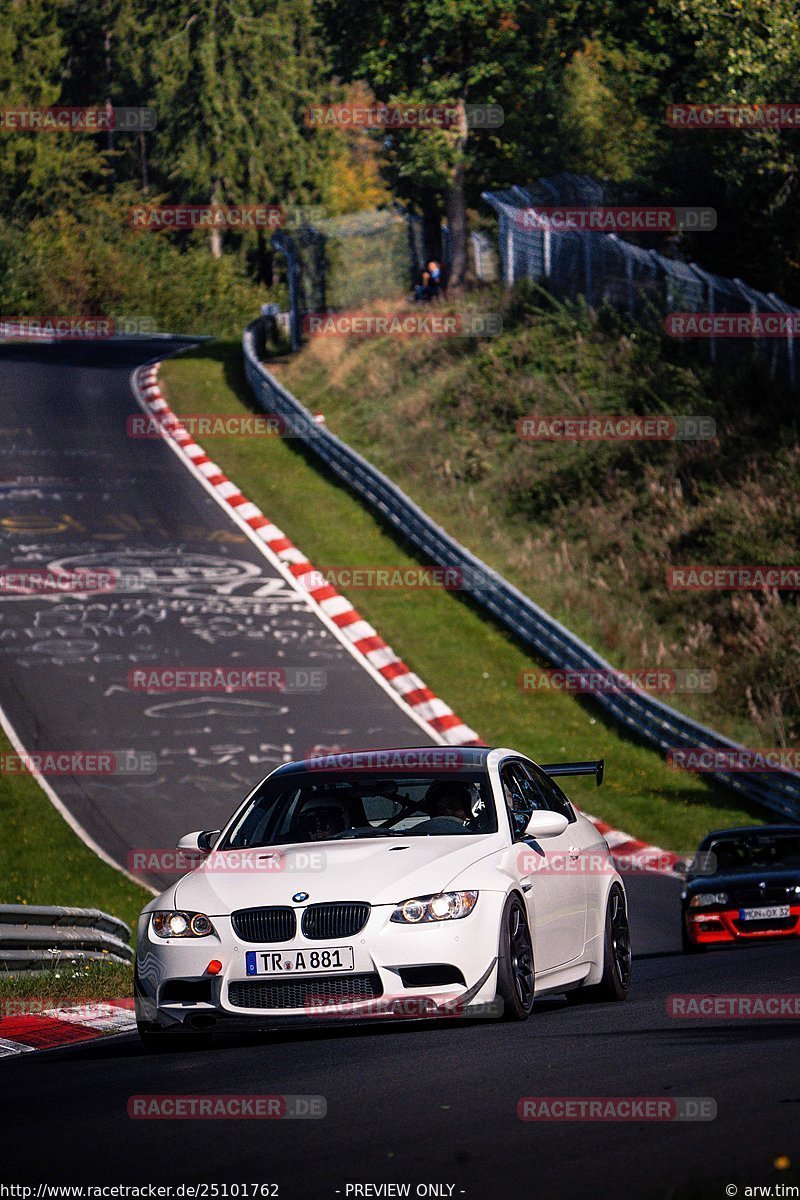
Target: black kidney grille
{"points": [[322, 922], [264, 924], [299, 993]]}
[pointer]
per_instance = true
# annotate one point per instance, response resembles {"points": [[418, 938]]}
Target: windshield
{"points": [[754, 852], [340, 806]]}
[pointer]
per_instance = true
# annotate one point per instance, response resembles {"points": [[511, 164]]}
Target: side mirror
{"points": [[681, 868], [203, 840], [545, 824]]}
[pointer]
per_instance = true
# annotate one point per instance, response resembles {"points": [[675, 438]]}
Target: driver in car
{"points": [[447, 798], [321, 823]]}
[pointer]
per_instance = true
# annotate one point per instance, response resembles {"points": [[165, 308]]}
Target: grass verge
{"points": [[42, 861], [71, 983], [460, 653]]}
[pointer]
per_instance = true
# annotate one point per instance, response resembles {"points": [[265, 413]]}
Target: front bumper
{"points": [[723, 927], [173, 986]]}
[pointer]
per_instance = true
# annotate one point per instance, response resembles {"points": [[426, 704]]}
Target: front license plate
{"points": [[298, 962], [773, 913]]}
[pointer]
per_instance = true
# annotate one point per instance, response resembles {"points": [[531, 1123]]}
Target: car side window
{"points": [[553, 797], [521, 794]]}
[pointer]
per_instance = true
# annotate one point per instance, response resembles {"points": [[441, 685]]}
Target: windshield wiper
{"points": [[352, 835]]}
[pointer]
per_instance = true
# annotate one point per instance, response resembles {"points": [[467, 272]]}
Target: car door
{"points": [[549, 871], [587, 852]]}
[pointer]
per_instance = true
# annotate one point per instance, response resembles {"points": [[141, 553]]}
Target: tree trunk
{"points": [[457, 210], [431, 225], [216, 232], [143, 158], [263, 259]]}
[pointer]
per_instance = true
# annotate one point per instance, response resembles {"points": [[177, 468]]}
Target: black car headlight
{"points": [[178, 924], [444, 906], [706, 899]]}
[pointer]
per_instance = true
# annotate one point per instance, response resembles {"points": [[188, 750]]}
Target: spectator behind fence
{"points": [[422, 292], [435, 285]]}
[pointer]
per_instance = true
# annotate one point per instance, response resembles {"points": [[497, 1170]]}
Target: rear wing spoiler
{"points": [[576, 768]]}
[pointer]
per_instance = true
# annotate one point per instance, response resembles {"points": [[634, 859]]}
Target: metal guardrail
{"points": [[35, 937], [654, 722]]}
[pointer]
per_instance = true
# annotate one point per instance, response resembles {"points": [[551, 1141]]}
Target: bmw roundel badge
{"points": [[299, 897]]}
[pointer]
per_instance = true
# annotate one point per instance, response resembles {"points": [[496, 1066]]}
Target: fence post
{"points": [[285, 246], [791, 360], [587, 267], [630, 289]]}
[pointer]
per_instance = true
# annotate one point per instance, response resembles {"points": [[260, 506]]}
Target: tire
{"points": [[515, 970], [687, 945], [615, 982], [156, 1040]]}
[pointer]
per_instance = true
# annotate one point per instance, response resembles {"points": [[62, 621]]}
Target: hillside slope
{"points": [[589, 530]]}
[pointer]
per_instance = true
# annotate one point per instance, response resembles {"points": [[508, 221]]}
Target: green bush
{"points": [[99, 266]]}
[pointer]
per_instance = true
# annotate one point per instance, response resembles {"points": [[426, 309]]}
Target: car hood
{"points": [[377, 870], [736, 881]]}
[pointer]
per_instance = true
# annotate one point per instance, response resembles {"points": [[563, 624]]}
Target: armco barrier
{"points": [[34, 937], [642, 715]]}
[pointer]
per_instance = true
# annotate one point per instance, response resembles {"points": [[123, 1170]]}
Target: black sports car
{"points": [[743, 885]]}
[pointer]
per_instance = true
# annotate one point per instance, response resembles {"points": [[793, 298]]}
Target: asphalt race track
{"points": [[436, 1103], [429, 1103], [78, 493]]}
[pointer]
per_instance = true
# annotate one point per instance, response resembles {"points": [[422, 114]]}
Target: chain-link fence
{"points": [[604, 268], [345, 262]]}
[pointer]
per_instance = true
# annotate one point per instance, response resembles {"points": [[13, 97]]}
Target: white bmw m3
{"points": [[412, 883]]}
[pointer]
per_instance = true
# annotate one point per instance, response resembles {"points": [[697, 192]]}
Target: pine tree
{"points": [[48, 170]]}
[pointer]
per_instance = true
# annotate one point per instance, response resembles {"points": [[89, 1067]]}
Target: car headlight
{"points": [[173, 924], [704, 899], [445, 906]]}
